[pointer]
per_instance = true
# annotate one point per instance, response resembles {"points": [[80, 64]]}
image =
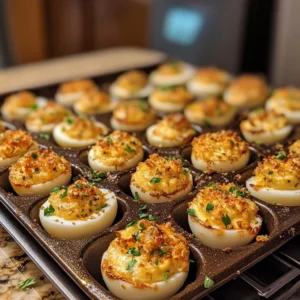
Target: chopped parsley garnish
{"points": [[34, 107], [55, 190], [151, 218], [231, 142], [241, 193], [101, 207], [144, 207], [208, 283], [270, 172], [206, 123], [191, 261], [191, 212], [210, 184], [133, 251], [108, 139], [142, 227], [147, 216], [209, 207], [166, 274], [281, 155], [226, 220], [69, 121], [232, 189], [27, 283], [143, 216], [45, 136], [34, 155], [132, 223], [136, 196], [156, 262], [186, 171], [216, 188], [96, 176], [129, 149], [130, 265], [78, 185], [155, 180], [137, 236], [49, 211], [64, 194]]}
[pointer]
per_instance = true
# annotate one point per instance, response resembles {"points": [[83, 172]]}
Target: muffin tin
{"points": [[80, 259]]}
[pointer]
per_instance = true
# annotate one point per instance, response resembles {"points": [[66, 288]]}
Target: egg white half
{"points": [[221, 166], [121, 93], [43, 188], [77, 229], [161, 142], [104, 110], [203, 89], [167, 107], [62, 139], [9, 161], [273, 196], [158, 291], [148, 198], [43, 129], [268, 138], [68, 99], [181, 78], [292, 116], [115, 124], [100, 166]]}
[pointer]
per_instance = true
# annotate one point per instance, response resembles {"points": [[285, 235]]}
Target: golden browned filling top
{"points": [[134, 112], [248, 88], [93, 101], [2, 127], [20, 100], [286, 98], [171, 68], [51, 113], [174, 127], [132, 81], [117, 149], [146, 253], [37, 167], [281, 172], [260, 121], [219, 146], [212, 75], [75, 86], [295, 148], [77, 201], [161, 176], [211, 107], [82, 128], [224, 206], [172, 94], [14, 143]]}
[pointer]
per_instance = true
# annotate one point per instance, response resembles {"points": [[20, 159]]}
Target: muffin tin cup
{"points": [[81, 258]]}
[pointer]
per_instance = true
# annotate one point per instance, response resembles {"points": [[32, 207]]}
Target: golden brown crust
{"points": [[19, 100], [2, 127], [171, 176], [217, 201], [223, 145], [157, 247], [117, 149], [212, 75], [132, 81], [14, 143], [295, 148], [37, 167], [77, 201], [286, 99], [134, 112], [93, 101], [170, 68], [176, 95], [74, 86]]}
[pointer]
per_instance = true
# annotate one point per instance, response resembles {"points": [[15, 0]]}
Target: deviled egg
{"points": [[18, 106], [222, 151], [247, 91], [14, 144], [173, 130], [295, 148], [115, 152], [277, 180], [286, 101], [172, 73], [265, 127], [45, 118], [38, 172], [132, 115], [209, 81], [132, 84], [77, 132], [212, 111], [146, 261], [222, 215], [94, 102], [78, 211], [160, 179], [170, 99], [70, 92]]}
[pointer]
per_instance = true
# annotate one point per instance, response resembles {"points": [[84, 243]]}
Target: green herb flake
{"points": [[270, 172], [143, 216], [155, 180], [241, 193], [34, 107], [143, 207], [96, 176], [130, 265], [281, 155], [64, 194], [49, 211], [132, 223], [108, 139], [101, 207], [34, 155], [151, 218], [45, 136], [78, 185], [206, 123], [136, 235], [232, 189], [186, 171], [142, 227], [208, 283], [209, 207], [226, 220], [191, 212], [210, 184], [136, 196], [192, 261], [166, 274], [69, 121], [231, 142], [133, 251], [55, 190], [129, 149], [27, 283], [156, 262]]}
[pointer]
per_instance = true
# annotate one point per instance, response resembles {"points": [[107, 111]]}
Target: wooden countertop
{"points": [[76, 66]]}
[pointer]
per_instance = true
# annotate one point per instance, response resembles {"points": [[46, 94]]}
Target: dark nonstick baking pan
{"points": [[80, 259]]}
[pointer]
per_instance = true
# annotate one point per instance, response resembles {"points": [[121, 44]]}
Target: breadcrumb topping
{"points": [[212, 75], [161, 176], [295, 148], [117, 148], [170, 68], [78, 201], [224, 206], [37, 167], [19, 100], [14, 143], [146, 253], [286, 99], [132, 81], [74, 86], [219, 146], [176, 94], [2, 127]]}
